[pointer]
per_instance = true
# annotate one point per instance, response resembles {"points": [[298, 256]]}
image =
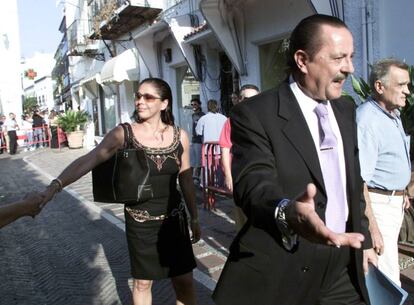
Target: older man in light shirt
{"points": [[385, 159]]}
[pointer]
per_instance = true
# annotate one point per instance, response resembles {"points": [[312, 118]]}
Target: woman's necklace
{"points": [[161, 133]]}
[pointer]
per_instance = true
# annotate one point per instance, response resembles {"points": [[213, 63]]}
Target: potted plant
{"points": [[72, 122]]}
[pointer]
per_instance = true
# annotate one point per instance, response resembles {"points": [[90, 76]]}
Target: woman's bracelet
{"points": [[57, 182]]}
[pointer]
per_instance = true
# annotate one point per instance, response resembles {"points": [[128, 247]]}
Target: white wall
{"points": [[10, 77], [268, 21]]}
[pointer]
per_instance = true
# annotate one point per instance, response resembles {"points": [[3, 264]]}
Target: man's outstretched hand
{"points": [[303, 219]]}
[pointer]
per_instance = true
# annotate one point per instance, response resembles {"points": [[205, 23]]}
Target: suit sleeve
{"points": [[367, 244], [255, 177]]}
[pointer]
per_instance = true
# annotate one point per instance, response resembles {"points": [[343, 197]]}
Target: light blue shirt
{"points": [[383, 148]]}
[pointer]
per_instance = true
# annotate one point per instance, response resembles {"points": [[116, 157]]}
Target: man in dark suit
{"points": [[306, 230]]}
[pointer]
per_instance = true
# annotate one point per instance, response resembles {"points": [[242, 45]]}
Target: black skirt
{"points": [[159, 249]]}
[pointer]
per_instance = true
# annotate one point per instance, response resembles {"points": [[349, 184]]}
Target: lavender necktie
{"points": [[336, 209]]}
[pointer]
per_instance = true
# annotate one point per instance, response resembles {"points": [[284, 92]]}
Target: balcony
{"points": [[113, 18], [79, 43]]}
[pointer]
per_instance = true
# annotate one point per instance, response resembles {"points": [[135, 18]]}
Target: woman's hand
{"points": [[196, 231], [48, 194]]}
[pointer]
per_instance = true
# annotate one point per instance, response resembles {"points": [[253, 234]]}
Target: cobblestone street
{"points": [[70, 253]]}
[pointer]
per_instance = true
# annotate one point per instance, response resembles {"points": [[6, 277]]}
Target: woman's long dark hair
{"points": [[164, 91]]}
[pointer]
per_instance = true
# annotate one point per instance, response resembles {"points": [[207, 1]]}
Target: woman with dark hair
{"points": [[157, 232]]}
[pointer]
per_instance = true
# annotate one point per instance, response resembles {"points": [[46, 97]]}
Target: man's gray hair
{"points": [[380, 69]]}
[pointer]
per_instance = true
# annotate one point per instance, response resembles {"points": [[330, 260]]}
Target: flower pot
{"points": [[75, 139]]}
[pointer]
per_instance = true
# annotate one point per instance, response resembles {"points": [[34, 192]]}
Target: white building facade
{"points": [[209, 48], [10, 77]]}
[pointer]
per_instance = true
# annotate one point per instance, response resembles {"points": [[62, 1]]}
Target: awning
{"points": [[90, 85], [181, 26], [146, 43], [329, 7], [121, 68], [95, 77], [227, 23]]}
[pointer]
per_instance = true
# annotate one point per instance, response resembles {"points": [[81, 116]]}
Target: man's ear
{"points": [[301, 59], [379, 87]]}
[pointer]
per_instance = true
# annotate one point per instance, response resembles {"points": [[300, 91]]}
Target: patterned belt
{"points": [[385, 192], [144, 215]]}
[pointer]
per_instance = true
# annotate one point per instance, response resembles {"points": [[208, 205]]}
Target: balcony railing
{"points": [[112, 18], [78, 38]]}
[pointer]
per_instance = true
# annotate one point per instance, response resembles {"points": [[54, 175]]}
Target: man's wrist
{"points": [[289, 237]]}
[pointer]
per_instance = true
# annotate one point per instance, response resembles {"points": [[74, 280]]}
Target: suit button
{"points": [[321, 205], [305, 269]]}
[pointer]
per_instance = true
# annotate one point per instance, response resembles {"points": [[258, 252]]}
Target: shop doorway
{"points": [[187, 88]]}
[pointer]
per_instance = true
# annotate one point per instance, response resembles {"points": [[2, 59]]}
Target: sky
{"points": [[39, 22]]}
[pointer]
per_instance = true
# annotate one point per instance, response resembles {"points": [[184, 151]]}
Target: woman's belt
{"points": [[144, 215]]}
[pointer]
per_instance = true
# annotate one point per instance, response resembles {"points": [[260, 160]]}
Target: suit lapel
{"points": [[297, 132]]}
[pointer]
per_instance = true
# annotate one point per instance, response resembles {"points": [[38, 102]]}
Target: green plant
{"points": [[73, 120]]}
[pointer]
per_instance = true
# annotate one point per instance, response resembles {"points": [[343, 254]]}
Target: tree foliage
{"points": [[29, 104]]}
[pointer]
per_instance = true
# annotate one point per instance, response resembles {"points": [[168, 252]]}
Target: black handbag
{"points": [[124, 178]]}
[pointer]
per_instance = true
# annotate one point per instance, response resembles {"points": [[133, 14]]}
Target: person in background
{"points": [[246, 91], [196, 141], [53, 124], [38, 123], [45, 127], [385, 159], [157, 232], [209, 126], [10, 126], [3, 144], [29, 206], [27, 128], [296, 176]]}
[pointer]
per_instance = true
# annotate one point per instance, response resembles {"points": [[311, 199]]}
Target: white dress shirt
{"points": [[307, 105]]}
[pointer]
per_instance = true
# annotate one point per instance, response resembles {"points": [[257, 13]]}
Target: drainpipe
{"points": [[367, 21]]}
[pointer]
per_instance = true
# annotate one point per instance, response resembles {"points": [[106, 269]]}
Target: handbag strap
{"points": [[128, 135]]}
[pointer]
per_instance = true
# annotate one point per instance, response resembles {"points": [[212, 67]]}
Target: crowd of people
{"points": [[38, 129], [321, 183]]}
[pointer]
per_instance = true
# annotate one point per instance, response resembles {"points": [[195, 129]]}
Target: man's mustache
{"points": [[340, 77]]}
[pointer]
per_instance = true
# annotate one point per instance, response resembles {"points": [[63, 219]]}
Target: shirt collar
{"points": [[395, 113], [306, 103]]}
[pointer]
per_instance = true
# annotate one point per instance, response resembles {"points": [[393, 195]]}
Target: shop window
{"points": [[273, 63], [187, 88], [107, 111]]}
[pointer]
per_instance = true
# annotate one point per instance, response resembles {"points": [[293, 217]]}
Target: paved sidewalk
{"points": [[70, 255]]}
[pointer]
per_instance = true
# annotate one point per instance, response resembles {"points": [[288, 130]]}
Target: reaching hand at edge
{"points": [[33, 203]]}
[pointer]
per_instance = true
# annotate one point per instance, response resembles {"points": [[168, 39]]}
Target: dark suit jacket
{"points": [[274, 157]]}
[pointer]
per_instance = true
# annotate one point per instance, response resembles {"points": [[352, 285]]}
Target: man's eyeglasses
{"points": [[194, 104], [146, 96]]}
